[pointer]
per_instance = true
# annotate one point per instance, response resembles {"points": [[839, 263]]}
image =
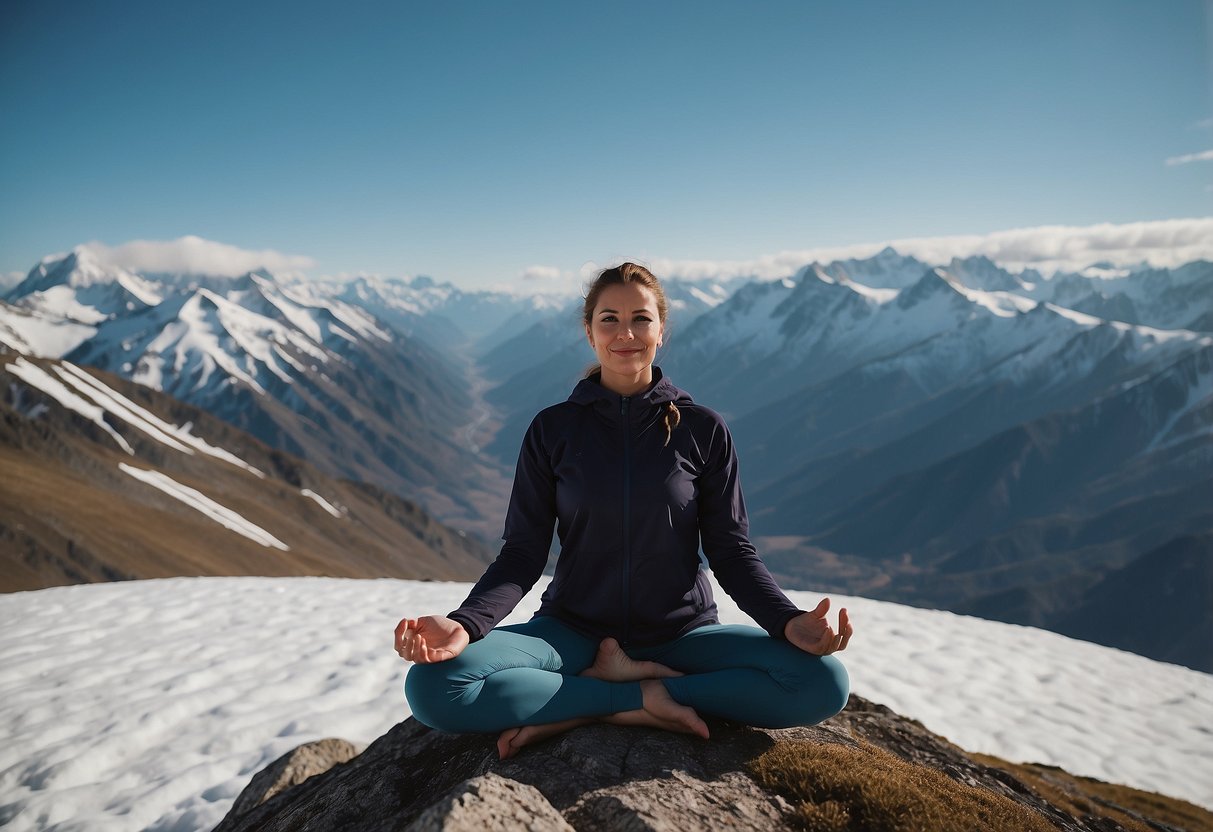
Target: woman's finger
{"points": [[823, 643], [847, 631]]}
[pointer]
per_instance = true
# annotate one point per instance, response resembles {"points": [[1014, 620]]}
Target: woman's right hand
{"points": [[431, 638]]}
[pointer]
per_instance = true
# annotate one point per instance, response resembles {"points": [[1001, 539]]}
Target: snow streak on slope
{"points": [[197, 500], [34, 375], [150, 704], [175, 436], [323, 503], [82, 393]]}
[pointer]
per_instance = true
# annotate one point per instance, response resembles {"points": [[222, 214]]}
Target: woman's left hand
{"points": [[812, 633]]}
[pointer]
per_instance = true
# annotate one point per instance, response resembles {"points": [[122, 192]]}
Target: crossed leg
{"points": [[612, 664], [531, 681]]}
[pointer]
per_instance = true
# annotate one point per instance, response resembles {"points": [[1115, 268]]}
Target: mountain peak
{"points": [[934, 282], [887, 269], [980, 272]]}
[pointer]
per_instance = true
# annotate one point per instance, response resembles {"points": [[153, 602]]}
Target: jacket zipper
{"points": [[627, 510]]}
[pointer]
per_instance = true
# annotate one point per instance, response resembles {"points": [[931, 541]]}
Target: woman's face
{"points": [[625, 333]]}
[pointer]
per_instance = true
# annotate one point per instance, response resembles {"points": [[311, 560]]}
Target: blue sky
{"points": [[473, 141]]}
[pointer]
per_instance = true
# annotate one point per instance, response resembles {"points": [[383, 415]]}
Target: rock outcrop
{"points": [[291, 769], [882, 771]]}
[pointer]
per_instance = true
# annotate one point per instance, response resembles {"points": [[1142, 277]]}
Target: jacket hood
{"points": [[590, 391]]}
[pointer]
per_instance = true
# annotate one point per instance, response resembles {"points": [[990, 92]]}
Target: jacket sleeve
{"points": [[724, 532], [528, 537]]}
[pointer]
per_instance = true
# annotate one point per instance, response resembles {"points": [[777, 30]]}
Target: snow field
{"points": [[150, 704]]}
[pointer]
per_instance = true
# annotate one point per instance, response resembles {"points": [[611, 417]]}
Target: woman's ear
{"points": [[588, 336]]}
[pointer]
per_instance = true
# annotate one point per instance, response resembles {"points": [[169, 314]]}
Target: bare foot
{"points": [[513, 739], [613, 665], [661, 711]]}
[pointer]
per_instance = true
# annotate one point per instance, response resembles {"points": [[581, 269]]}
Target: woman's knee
{"points": [[433, 697], [835, 686], [822, 690]]}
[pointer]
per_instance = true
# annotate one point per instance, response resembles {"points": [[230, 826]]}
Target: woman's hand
{"points": [[813, 634], [431, 638]]}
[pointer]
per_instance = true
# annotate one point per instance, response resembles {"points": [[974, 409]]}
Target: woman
{"points": [[634, 475]]}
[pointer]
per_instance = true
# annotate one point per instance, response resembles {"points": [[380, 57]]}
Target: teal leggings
{"points": [[526, 674]]}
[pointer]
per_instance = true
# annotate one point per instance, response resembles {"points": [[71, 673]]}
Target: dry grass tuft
{"points": [[837, 788]]}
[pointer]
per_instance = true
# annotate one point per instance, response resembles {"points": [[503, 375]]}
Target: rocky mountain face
{"points": [[865, 769], [109, 480]]}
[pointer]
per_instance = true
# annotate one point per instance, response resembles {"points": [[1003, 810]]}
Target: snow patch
{"points": [[40, 335], [34, 375], [705, 298], [323, 503], [880, 296], [1080, 318], [200, 502], [175, 436]]}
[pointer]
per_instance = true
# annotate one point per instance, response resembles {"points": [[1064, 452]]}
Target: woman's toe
{"points": [[504, 749]]}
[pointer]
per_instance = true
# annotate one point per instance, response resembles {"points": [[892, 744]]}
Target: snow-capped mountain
{"points": [[308, 374], [77, 287], [887, 269], [1180, 298], [770, 339], [196, 343], [439, 314]]}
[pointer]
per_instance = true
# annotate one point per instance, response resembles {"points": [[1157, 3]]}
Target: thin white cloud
{"points": [[1047, 249], [1203, 156], [194, 255], [542, 274]]}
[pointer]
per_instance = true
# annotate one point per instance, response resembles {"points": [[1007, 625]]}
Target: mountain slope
{"points": [[108, 480], [1064, 461], [1171, 587]]}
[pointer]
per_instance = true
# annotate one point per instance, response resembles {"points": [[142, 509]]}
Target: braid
{"points": [[671, 419]]}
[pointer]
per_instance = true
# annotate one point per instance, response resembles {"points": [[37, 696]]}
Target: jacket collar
{"points": [[589, 391]]}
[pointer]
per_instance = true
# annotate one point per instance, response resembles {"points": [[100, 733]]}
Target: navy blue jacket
{"points": [[630, 512]]}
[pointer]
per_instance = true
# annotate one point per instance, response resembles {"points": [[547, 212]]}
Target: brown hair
{"points": [[616, 276]]}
